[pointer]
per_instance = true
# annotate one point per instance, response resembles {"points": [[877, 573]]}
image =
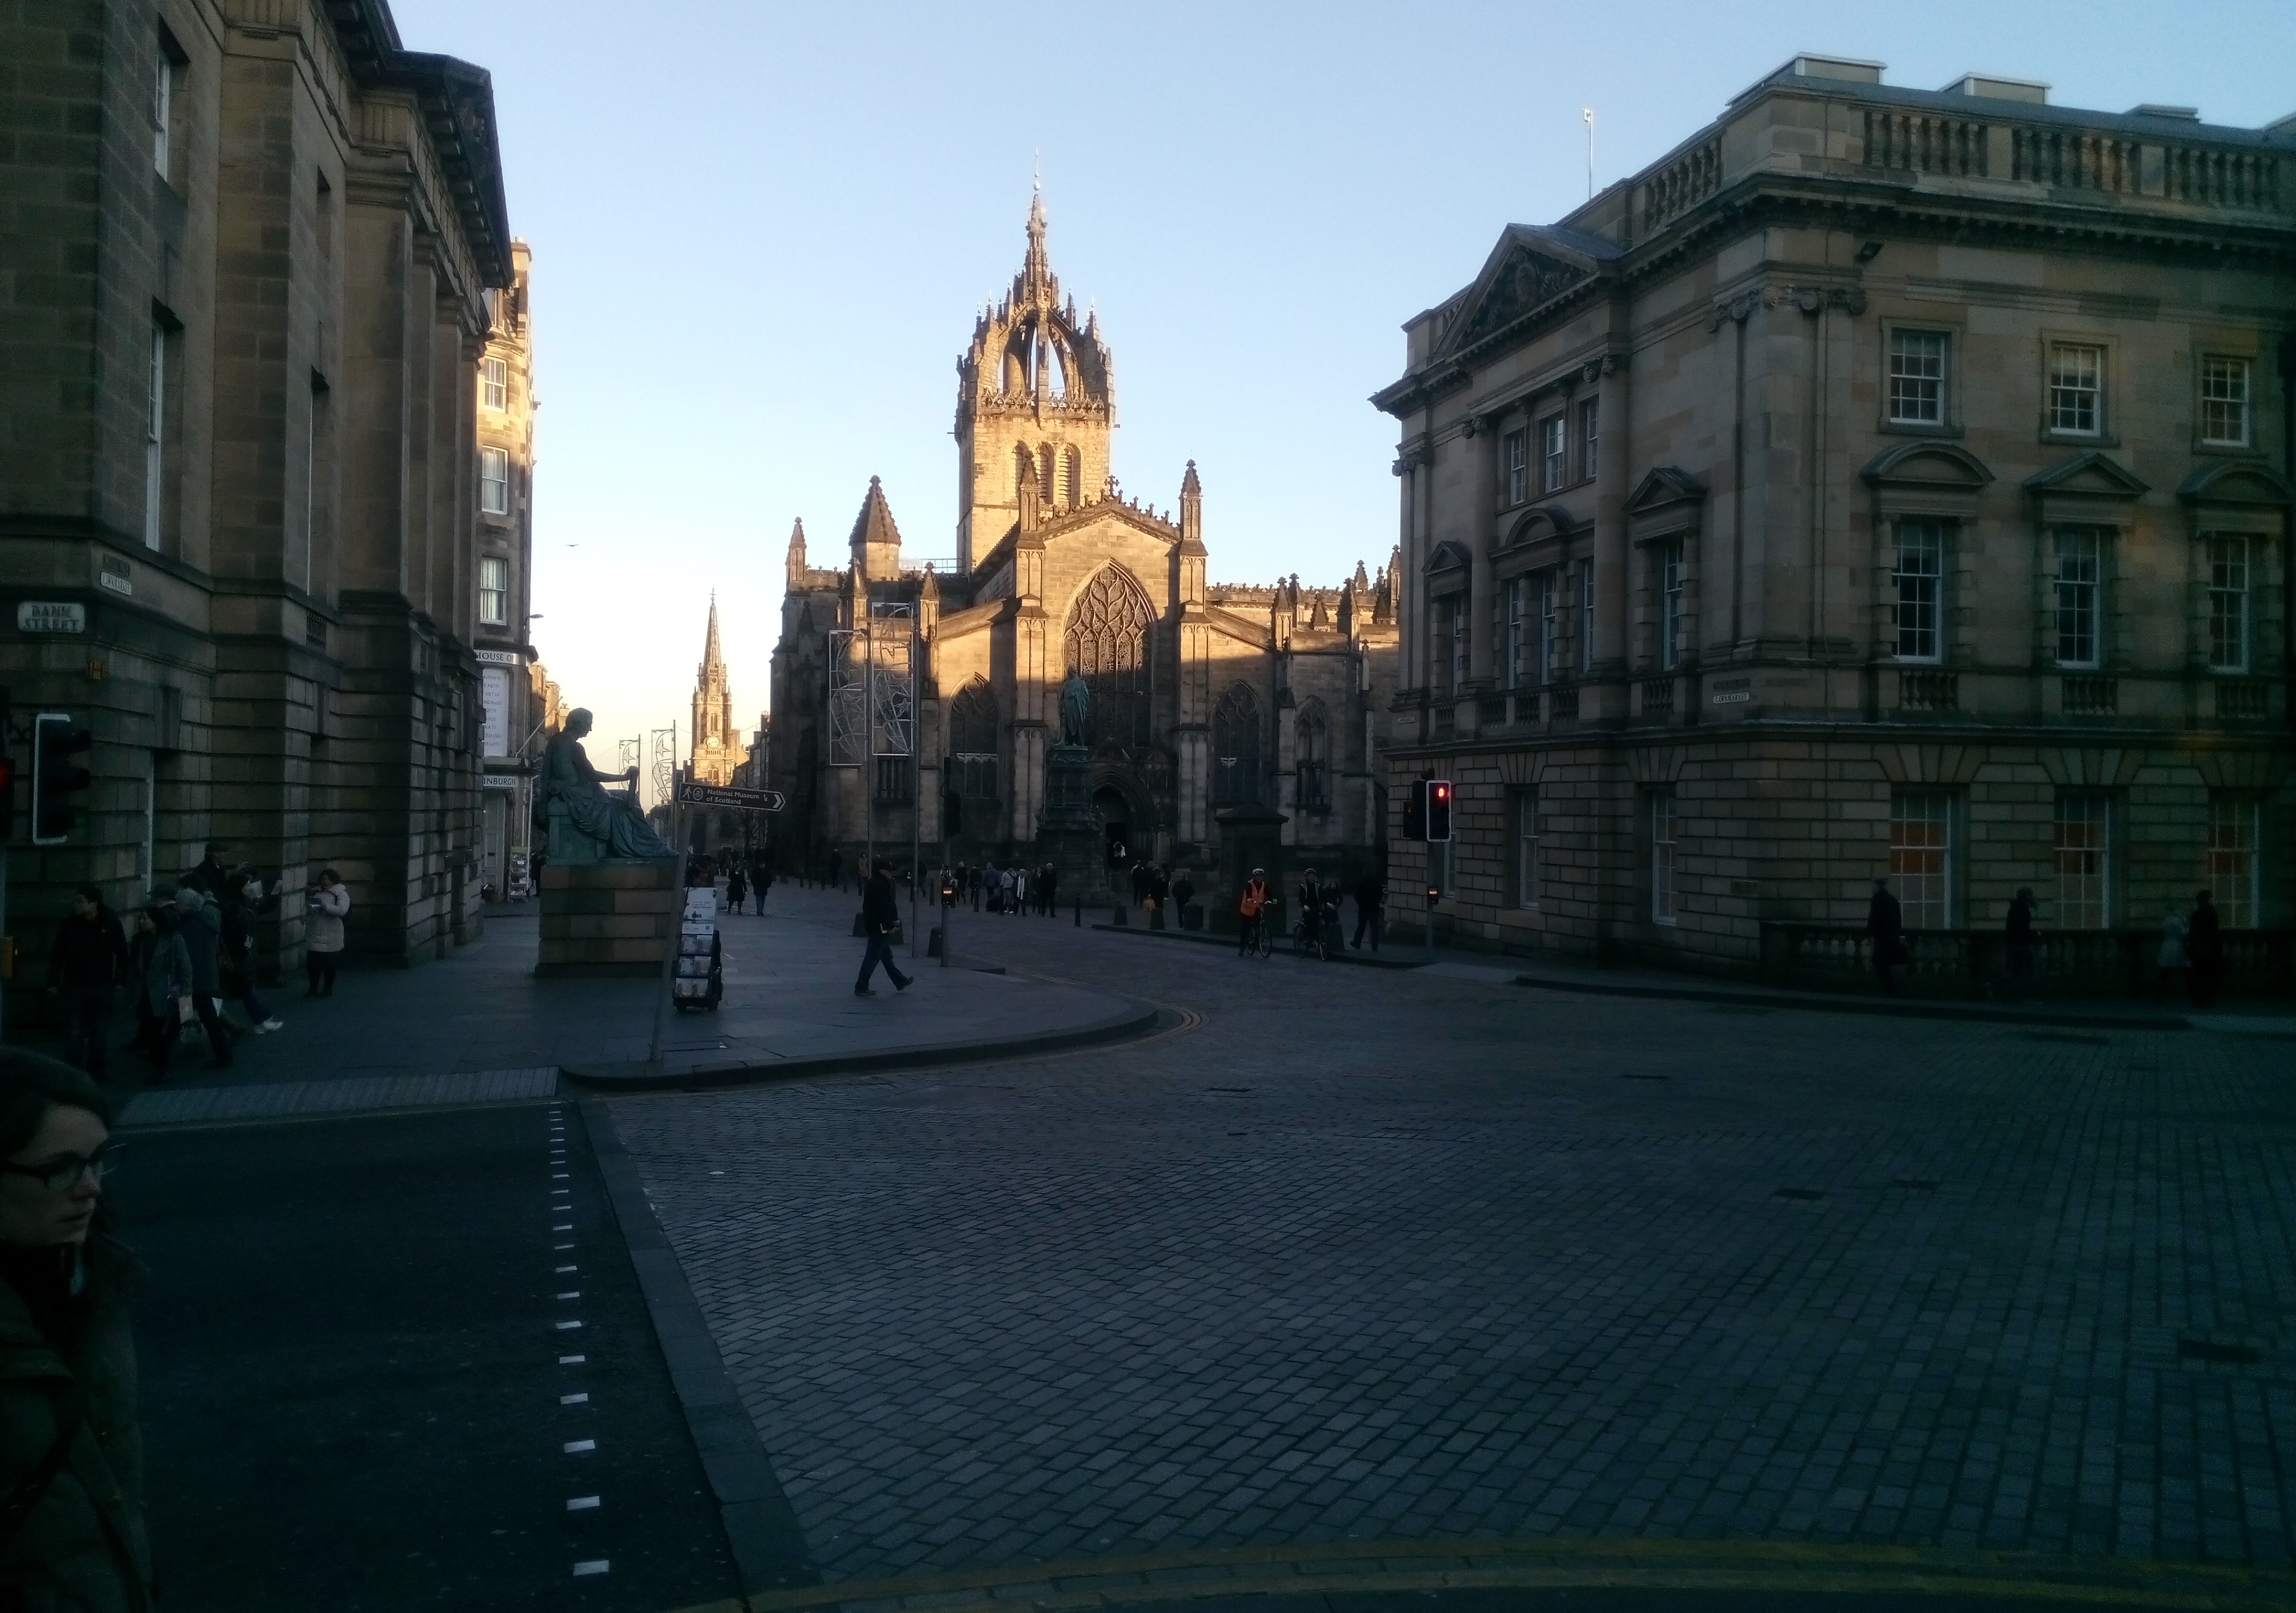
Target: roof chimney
{"points": [[1989, 87]]}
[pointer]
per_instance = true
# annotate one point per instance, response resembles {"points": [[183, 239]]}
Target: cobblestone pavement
{"points": [[1387, 1255]]}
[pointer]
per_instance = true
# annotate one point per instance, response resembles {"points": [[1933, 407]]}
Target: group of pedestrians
{"points": [[1013, 892], [2191, 947], [192, 952], [743, 879]]}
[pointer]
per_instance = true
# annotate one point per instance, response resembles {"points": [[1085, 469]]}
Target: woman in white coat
{"points": [[323, 934]]}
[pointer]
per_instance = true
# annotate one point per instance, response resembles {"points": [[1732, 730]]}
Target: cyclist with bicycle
{"points": [[1311, 909], [1252, 910]]}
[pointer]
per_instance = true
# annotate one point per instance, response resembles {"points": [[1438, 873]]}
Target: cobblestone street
{"points": [[1394, 1255]]}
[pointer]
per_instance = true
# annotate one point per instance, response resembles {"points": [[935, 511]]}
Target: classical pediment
{"points": [[1666, 486], [2091, 475], [2240, 482], [1941, 465], [1546, 521], [1447, 554], [1529, 267]]}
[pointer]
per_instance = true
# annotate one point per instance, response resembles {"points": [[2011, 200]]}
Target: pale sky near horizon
{"points": [[761, 232]]}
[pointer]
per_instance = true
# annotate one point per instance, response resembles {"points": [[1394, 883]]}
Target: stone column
{"points": [[1482, 514], [1614, 452]]}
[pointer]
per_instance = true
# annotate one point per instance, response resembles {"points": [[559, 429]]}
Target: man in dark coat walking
{"points": [[2204, 946], [2024, 945], [1886, 926], [207, 874], [202, 933], [1370, 894], [881, 914], [90, 957]]}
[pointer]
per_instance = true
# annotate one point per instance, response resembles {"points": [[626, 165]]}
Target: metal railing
{"points": [[1975, 963]]}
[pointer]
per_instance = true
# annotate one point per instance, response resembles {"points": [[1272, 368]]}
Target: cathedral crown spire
{"points": [[1037, 282]]}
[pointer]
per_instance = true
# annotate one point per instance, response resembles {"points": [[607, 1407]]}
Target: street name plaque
{"points": [[51, 616]]}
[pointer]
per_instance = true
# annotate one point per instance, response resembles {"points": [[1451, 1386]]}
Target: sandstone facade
{"points": [[1886, 483], [257, 248]]}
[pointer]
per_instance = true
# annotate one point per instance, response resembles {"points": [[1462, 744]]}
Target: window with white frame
{"points": [[1918, 581], [1589, 424], [2083, 849], [2227, 557], [1516, 644], [494, 590], [1668, 561], [2080, 594], [1526, 849], [2076, 389], [1664, 828], [1550, 592], [494, 378], [493, 481], [2232, 870], [1450, 667], [2224, 401], [1917, 377], [1921, 857], [1553, 453], [155, 424], [1586, 615], [163, 110], [1514, 466]]}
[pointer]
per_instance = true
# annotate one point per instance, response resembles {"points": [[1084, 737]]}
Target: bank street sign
{"points": [[725, 796]]}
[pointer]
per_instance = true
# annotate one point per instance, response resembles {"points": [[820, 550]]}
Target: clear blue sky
{"points": [[760, 233]]}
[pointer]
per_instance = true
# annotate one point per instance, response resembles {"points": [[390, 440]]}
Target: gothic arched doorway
{"points": [[1116, 828]]}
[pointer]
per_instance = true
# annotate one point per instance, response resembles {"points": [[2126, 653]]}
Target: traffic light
{"points": [[7, 775], [1414, 810], [56, 778], [1439, 810]]}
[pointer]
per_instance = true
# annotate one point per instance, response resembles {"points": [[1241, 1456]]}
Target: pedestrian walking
{"points": [[202, 932], [209, 874], [159, 975], [243, 905], [881, 914], [2023, 944], [73, 1521], [89, 958], [1184, 892], [1009, 883], [2172, 960], [1371, 896], [1251, 908], [836, 868], [323, 934], [762, 882], [737, 888], [1885, 925], [1052, 888], [2204, 946]]}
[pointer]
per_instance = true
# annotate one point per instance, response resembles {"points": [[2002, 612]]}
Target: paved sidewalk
{"points": [[480, 1027]]}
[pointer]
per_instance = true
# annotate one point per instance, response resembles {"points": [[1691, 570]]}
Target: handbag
{"points": [[186, 1012]]}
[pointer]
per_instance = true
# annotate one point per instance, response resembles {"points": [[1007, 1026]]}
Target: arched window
{"points": [[1107, 640], [1024, 469], [1311, 756], [1235, 748], [1072, 478], [972, 741]]}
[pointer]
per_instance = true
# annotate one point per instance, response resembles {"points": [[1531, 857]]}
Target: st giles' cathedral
{"points": [[1214, 712]]}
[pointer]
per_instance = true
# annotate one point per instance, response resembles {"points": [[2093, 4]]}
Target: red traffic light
{"points": [[1439, 810]]}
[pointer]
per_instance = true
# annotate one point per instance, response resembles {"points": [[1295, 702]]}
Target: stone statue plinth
{"points": [[614, 917], [1068, 827], [1251, 836]]}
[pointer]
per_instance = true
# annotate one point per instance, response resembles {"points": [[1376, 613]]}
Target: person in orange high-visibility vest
{"points": [[1251, 909]]}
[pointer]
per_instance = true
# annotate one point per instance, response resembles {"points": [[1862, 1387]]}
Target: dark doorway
{"points": [[1115, 827]]}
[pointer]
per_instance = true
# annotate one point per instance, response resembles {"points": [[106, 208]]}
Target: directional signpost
{"points": [[727, 795]]}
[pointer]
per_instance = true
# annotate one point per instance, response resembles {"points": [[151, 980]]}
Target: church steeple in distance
{"points": [[715, 748]]}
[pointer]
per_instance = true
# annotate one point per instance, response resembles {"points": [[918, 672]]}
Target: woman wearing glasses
{"points": [[72, 1512]]}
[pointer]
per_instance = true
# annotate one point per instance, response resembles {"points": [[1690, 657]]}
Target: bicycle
{"points": [[1327, 924], [1262, 943]]}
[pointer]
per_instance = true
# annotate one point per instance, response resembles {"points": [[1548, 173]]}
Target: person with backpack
{"points": [[71, 1520], [159, 975], [202, 929], [243, 903]]}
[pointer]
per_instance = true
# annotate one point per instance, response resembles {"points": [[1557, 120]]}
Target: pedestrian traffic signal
{"points": [[1439, 810], [1414, 810], [57, 779]]}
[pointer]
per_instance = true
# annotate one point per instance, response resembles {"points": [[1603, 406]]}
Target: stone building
{"points": [[513, 726], [257, 252], [715, 749], [1206, 699], [1886, 482]]}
